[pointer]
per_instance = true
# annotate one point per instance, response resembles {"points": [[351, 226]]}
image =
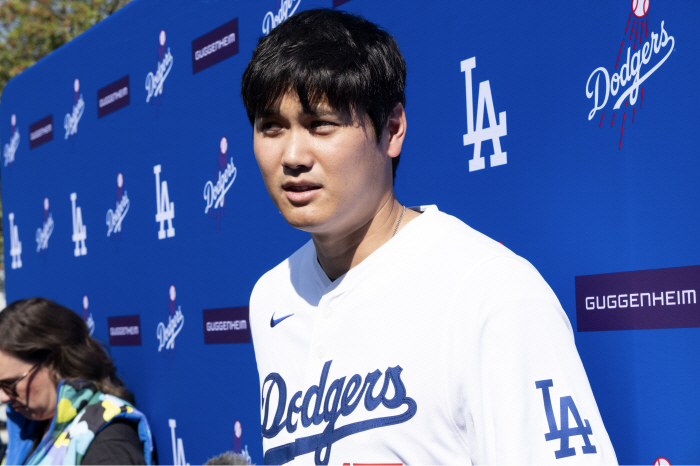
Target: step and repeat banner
{"points": [[566, 130]]}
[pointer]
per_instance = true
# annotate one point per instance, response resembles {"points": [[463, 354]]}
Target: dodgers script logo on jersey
{"points": [[339, 400], [11, 147], [121, 207], [154, 82], [564, 432], [286, 9], [178, 446], [44, 233], [79, 229], [478, 134], [215, 192], [635, 66], [87, 316], [165, 211], [15, 244], [71, 120]]}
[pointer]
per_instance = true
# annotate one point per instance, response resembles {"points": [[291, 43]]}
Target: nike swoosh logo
{"points": [[274, 321]]}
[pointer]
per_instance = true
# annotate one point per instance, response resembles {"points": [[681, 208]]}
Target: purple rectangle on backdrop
{"points": [[124, 330], [41, 132], [215, 46], [113, 97], [226, 325], [339, 2], [642, 299]]}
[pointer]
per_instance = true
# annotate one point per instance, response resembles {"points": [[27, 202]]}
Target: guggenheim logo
{"points": [[642, 299]]}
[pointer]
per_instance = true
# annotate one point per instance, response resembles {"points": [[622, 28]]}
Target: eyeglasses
{"points": [[10, 388]]}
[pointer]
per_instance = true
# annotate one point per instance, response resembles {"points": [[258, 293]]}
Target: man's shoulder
{"points": [[284, 272], [447, 238]]}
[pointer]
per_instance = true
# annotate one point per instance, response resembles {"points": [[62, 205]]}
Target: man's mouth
{"points": [[301, 191]]}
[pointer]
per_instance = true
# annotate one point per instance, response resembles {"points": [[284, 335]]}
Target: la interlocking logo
{"points": [[154, 82], [215, 192], [478, 134], [116, 217], [178, 447], [166, 209], [564, 433], [70, 122], [79, 229], [628, 81], [286, 9], [44, 233], [11, 147], [15, 244], [87, 316]]}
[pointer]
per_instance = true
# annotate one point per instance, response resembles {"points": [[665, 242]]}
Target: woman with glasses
{"points": [[66, 404]]}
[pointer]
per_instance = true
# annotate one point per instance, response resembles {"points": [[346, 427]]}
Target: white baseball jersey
{"points": [[442, 347]]}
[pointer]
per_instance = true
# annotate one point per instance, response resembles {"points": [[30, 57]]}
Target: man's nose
{"points": [[297, 151]]}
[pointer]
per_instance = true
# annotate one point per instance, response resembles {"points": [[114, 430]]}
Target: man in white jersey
{"points": [[395, 335]]}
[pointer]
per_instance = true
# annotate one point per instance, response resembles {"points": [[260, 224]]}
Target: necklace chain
{"points": [[399, 222]]}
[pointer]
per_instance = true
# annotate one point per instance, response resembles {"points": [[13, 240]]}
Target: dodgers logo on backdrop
{"points": [[169, 330], [87, 316], [79, 229], [154, 82], [478, 134], [71, 120], [238, 442], [286, 9], [635, 67], [165, 209], [121, 207], [339, 400], [178, 446], [44, 233], [215, 192], [11, 147], [15, 244]]}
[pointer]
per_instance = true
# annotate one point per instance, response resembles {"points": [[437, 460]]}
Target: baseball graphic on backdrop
{"points": [[172, 292], [224, 145], [640, 8], [46, 203], [161, 38], [120, 180], [76, 85], [13, 119], [85, 302]]}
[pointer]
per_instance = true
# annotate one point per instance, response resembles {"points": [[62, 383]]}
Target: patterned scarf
{"points": [[81, 412]]}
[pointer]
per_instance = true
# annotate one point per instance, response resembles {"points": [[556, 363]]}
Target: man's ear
{"points": [[395, 130]]}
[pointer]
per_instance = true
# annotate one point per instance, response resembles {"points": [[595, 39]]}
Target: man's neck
{"points": [[339, 253]]}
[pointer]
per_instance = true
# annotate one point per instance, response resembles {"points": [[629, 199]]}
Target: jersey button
{"points": [[321, 351]]}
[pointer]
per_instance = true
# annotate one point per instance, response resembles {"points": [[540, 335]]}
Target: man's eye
{"points": [[322, 124], [270, 126]]}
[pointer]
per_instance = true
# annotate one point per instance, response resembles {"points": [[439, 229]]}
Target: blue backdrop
{"points": [[577, 196]]}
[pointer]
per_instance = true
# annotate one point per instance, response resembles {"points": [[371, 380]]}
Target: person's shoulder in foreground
{"points": [[393, 336]]}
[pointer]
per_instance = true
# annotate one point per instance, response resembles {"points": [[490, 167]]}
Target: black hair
{"points": [[325, 54]]}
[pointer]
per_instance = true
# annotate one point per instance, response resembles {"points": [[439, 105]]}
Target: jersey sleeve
{"points": [[520, 394]]}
